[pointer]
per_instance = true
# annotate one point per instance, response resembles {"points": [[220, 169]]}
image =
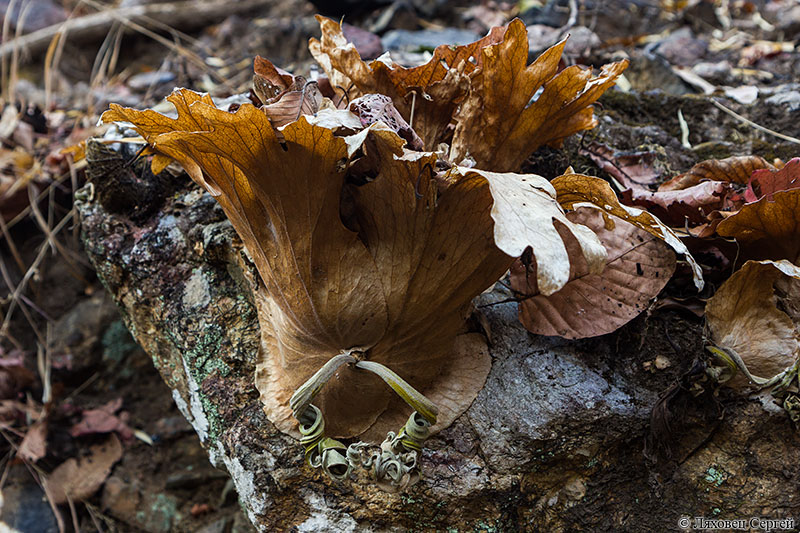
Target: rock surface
{"points": [[554, 441]]}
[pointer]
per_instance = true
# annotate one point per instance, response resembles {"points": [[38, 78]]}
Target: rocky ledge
{"points": [[555, 441]]}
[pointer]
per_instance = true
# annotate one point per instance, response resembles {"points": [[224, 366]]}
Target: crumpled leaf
{"points": [[766, 182], [433, 90], [592, 304], [753, 314], [690, 198], [691, 205], [79, 479], [284, 97], [577, 190], [374, 253], [497, 127], [768, 228]]}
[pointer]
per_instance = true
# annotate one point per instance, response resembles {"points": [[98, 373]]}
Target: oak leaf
{"points": [[755, 314], [360, 246], [591, 304]]}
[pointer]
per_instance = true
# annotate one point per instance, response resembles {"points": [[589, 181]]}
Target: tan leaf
{"points": [[768, 228], [34, 444], [520, 222], [359, 247], [747, 315], [577, 190], [433, 90], [639, 265], [79, 479], [499, 128]]}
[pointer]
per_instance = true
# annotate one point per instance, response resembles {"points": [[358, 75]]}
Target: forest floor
{"points": [[73, 384]]}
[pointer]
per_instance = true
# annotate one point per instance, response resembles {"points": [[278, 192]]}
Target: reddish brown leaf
{"points": [[677, 207], [639, 265], [766, 182], [577, 190]]}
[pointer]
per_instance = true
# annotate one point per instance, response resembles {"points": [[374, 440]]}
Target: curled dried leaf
{"points": [[755, 314], [592, 304], [499, 127]]}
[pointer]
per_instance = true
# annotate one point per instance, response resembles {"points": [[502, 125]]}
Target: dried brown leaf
{"points": [[768, 228], [499, 128], [577, 190], [432, 91], [79, 479], [383, 265], [766, 182], [639, 265], [737, 169], [747, 315]]}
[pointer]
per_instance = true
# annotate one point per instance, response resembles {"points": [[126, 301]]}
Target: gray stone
{"points": [[427, 39]]}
